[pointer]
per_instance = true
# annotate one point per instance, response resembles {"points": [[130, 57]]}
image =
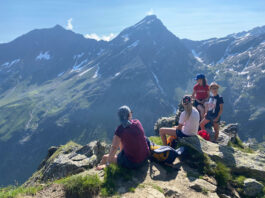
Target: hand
{"points": [[101, 166], [216, 119]]}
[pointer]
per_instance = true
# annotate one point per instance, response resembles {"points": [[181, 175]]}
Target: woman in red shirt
{"points": [[200, 94], [130, 137]]}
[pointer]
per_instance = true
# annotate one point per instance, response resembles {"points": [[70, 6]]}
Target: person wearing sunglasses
{"points": [[214, 110], [188, 122]]}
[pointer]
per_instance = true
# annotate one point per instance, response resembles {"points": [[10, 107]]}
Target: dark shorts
{"points": [[195, 104], [211, 118], [180, 134], [123, 161]]}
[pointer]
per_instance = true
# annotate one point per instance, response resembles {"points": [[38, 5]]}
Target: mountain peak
{"points": [[59, 27], [149, 19]]}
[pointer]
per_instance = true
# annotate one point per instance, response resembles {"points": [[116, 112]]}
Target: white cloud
{"points": [[98, 37], [69, 24], [150, 12]]}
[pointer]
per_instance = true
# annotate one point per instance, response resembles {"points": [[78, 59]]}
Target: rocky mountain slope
{"points": [[204, 170], [58, 86], [237, 63]]}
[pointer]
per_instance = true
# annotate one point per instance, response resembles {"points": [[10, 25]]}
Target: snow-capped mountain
{"points": [[237, 62], [58, 86]]}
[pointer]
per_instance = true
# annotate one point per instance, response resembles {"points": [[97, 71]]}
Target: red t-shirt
{"points": [[133, 141], [201, 91]]}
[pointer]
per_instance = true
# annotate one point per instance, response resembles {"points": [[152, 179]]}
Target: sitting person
{"points": [[188, 122], [131, 139], [200, 94], [214, 109]]}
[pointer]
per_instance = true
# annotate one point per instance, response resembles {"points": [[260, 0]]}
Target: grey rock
{"points": [[238, 161], [224, 196], [252, 187], [165, 122], [202, 185], [70, 160]]}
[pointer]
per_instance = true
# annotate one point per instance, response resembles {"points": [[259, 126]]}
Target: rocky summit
{"points": [[205, 169]]}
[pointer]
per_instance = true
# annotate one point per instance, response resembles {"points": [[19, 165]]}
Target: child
{"points": [[214, 109]]}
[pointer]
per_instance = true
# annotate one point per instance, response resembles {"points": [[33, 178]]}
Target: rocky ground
{"points": [[226, 169]]}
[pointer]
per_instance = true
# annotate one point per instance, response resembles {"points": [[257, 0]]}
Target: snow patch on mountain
{"points": [[84, 72], [10, 64], [43, 56], [125, 37], [79, 66], [100, 52], [134, 44], [196, 56], [243, 73], [96, 73], [60, 74], [158, 83], [77, 56], [117, 74]]}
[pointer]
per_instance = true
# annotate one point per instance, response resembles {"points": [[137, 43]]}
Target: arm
{"points": [[116, 142], [206, 108], [179, 127]]}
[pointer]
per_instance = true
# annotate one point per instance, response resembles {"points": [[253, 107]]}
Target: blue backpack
{"points": [[163, 154]]}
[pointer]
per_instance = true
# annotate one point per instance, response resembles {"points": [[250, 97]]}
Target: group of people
{"points": [[204, 106]]}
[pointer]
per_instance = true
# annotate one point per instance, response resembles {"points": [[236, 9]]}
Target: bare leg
{"points": [[203, 123], [166, 131], [201, 111], [216, 130], [104, 159]]}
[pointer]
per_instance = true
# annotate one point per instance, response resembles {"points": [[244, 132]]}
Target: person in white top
{"points": [[188, 122]]}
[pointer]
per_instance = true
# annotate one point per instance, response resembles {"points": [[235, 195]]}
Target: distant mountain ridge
{"points": [[58, 86]]}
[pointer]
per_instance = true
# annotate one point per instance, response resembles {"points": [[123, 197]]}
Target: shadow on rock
{"points": [[162, 172]]}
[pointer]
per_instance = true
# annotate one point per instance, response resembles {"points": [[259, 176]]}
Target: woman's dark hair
{"points": [[204, 82]]}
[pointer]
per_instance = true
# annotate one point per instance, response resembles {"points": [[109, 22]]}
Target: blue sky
{"points": [[192, 19]]}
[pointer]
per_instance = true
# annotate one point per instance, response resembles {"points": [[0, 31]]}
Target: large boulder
{"points": [[68, 160], [252, 187], [164, 122], [168, 121], [240, 162], [228, 133]]}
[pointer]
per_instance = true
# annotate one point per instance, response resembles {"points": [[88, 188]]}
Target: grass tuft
{"points": [[132, 189], [222, 174], [158, 188], [156, 139], [81, 186], [112, 173], [14, 191], [238, 144]]}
